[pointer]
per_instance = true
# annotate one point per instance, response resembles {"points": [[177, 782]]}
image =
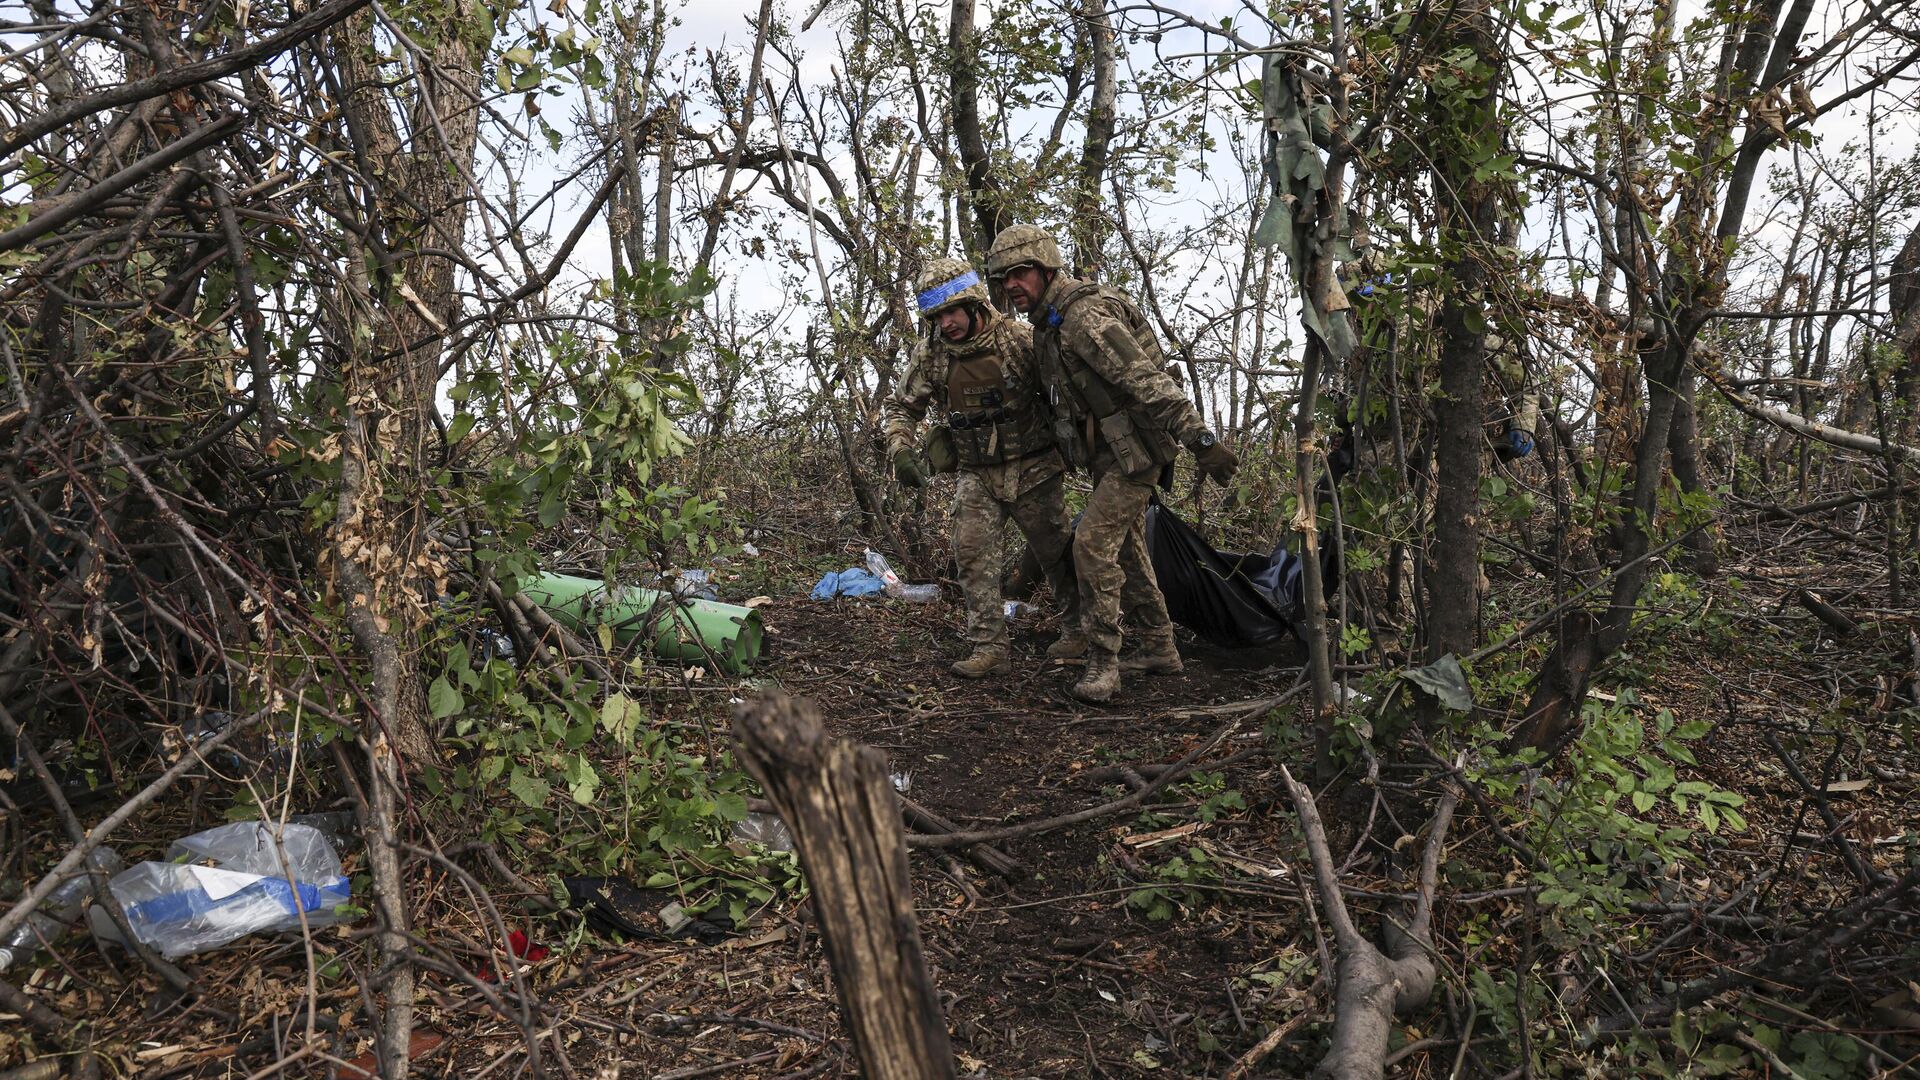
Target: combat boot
{"points": [[1157, 655], [986, 660], [1071, 646], [1102, 679]]}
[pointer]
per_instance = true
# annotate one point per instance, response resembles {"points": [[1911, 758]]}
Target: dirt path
{"points": [[1055, 975]]}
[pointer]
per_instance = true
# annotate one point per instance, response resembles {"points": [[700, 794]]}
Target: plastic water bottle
{"points": [[58, 912], [1018, 609], [185, 907], [890, 582]]}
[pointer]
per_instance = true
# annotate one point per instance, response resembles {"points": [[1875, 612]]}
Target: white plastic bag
{"points": [[226, 883]]}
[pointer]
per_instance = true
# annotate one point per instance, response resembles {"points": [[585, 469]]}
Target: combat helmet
{"points": [[945, 283], [1022, 245]]}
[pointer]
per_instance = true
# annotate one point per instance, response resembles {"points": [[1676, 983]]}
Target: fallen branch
{"points": [[1813, 429], [985, 856], [19, 1003], [1841, 623], [1808, 955], [1782, 512], [571, 647], [1244, 1067], [1372, 986]]}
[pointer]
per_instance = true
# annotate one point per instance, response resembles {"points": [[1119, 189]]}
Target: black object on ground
{"points": [[1231, 600], [617, 906]]}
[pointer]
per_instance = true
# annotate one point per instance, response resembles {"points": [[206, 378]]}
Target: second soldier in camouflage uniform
{"points": [[975, 368], [1118, 412]]}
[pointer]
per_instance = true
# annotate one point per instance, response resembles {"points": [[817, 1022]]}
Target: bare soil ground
{"points": [[1063, 972]]}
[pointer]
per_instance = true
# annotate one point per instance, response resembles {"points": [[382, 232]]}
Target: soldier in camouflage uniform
{"points": [[1117, 411], [976, 368]]}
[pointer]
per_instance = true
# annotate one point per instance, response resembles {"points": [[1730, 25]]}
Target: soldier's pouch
{"points": [[1069, 442], [1129, 450], [941, 454]]}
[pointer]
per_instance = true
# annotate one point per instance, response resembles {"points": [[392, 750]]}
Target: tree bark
{"points": [[1469, 231], [1089, 224], [984, 197], [391, 370], [1372, 985], [838, 801]]}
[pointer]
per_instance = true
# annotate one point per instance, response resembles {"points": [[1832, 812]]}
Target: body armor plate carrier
{"points": [[1137, 445], [994, 418]]}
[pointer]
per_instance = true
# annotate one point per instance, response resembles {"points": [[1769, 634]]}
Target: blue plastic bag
{"points": [[853, 581]]}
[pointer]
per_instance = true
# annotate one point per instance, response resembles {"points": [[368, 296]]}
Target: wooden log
{"points": [[1841, 623], [840, 806]]}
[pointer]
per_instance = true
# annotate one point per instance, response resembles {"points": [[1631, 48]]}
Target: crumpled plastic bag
{"points": [[853, 581], [767, 830], [185, 905]]}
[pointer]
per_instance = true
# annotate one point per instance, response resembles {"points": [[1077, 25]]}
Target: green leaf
{"points": [[621, 716], [1445, 680], [583, 780], [1644, 801], [730, 806], [443, 699], [529, 789]]}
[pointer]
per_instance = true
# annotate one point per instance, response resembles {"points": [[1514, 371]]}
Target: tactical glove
{"points": [[907, 470], [941, 453], [1516, 445], [1217, 463]]}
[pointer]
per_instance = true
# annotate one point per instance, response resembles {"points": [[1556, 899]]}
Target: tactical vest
{"points": [[993, 414], [1094, 406]]}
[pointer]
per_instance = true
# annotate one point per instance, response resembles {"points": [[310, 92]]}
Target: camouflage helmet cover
{"points": [[945, 283], [1020, 245]]}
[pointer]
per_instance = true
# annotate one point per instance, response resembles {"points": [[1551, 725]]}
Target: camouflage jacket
{"points": [[1013, 449], [1106, 380]]}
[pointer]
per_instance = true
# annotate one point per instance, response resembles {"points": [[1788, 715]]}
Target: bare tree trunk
{"points": [[1089, 224], [1903, 306], [391, 372], [983, 191], [838, 801], [1683, 445], [385, 574], [1313, 587], [1469, 227], [669, 137]]}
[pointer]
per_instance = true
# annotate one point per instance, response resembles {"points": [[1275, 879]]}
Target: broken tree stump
{"points": [[839, 804]]}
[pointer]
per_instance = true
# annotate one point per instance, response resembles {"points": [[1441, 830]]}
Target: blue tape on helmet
{"points": [[940, 294]]}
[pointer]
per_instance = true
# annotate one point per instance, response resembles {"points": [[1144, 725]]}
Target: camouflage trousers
{"points": [[1110, 559], [979, 516]]}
